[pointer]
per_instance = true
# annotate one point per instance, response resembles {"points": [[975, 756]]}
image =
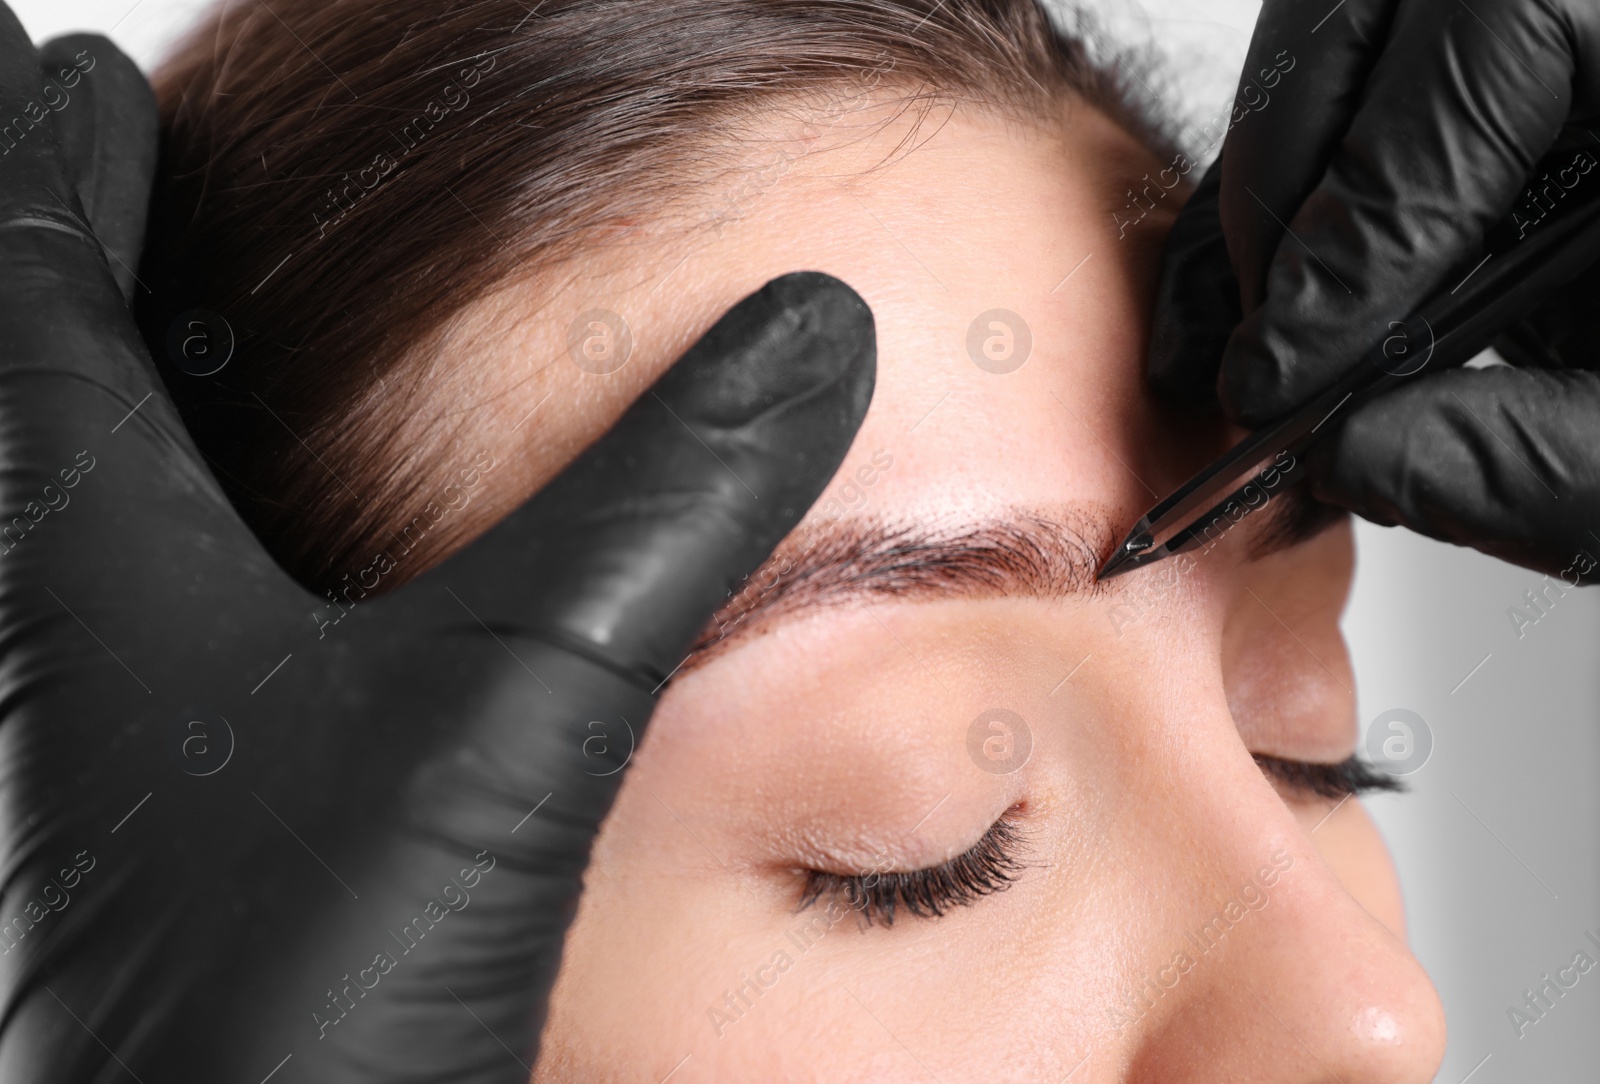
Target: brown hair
{"points": [[342, 177]]}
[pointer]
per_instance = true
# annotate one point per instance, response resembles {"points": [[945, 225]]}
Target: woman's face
{"points": [[1125, 894]]}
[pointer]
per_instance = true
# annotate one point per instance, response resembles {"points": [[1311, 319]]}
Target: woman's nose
{"points": [[1263, 967], [1304, 987], [1268, 970]]}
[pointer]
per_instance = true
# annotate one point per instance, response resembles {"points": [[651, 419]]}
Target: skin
{"points": [[836, 739]]}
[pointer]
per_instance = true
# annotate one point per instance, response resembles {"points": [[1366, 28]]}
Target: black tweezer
{"points": [[1507, 284]]}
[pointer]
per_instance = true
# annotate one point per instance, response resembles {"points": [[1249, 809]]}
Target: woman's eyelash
{"points": [[994, 864], [1349, 776], [991, 865]]}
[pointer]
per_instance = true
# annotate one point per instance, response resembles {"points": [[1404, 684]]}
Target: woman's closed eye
{"points": [[991, 865], [1351, 776], [994, 863]]}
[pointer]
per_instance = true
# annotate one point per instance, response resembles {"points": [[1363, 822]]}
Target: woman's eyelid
{"points": [[997, 828], [924, 845], [990, 865], [881, 864], [1349, 777]]}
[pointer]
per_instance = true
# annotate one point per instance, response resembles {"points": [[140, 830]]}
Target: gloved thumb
{"points": [[632, 548], [1499, 459]]}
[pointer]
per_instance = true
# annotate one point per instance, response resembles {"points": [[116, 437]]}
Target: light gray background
{"points": [[1498, 843]]}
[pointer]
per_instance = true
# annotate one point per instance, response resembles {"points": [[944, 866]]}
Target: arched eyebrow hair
{"points": [[1023, 553]]}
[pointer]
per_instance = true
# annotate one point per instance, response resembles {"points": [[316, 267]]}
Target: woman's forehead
{"points": [[1009, 313]]}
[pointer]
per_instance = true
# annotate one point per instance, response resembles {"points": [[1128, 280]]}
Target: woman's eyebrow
{"points": [[1022, 553]]}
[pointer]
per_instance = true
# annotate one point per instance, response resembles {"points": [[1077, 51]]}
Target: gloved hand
{"points": [[1403, 131], [240, 844]]}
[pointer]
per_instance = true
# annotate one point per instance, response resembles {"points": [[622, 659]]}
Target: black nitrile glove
{"points": [[244, 841], [1394, 136]]}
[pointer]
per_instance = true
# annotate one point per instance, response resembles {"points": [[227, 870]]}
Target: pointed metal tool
{"points": [[1510, 282]]}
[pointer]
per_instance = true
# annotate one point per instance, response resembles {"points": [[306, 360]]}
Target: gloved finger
{"points": [[1279, 139], [76, 384], [28, 164], [628, 553], [1563, 333], [1197, 303], [1301, 84], [104, 114], [1455, 114], [1499, 459]]}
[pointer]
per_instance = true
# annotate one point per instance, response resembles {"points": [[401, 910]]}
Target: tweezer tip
{"points": [[1123, 558], [1116, 566]]}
